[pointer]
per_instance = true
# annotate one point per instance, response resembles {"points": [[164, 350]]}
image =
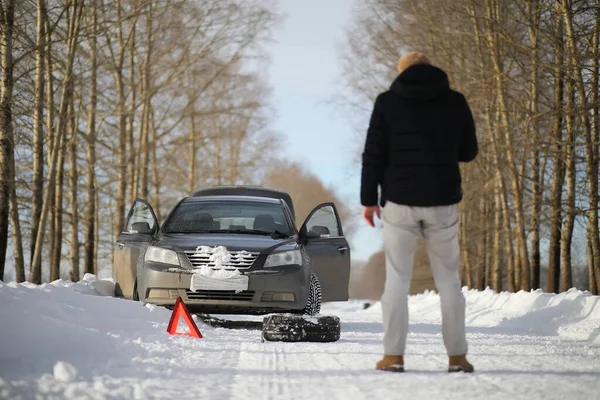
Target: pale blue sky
{"points": [[305, 73]]}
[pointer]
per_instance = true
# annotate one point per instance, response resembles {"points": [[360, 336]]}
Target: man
{"points": [[419, 131]]}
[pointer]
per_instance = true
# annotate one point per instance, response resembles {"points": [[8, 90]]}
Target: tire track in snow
{"points": [[276, 370]]}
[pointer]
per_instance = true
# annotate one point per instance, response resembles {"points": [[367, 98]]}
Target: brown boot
{"points": [[459, 364], [391, 364]]}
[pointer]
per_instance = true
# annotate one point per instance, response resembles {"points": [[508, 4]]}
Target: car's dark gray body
{"points": [[328, 256]]}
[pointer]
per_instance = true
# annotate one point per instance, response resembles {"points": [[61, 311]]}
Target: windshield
{"points": [[228, 216]]}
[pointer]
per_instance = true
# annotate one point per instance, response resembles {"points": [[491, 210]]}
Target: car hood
{"points": [[233, 242]]}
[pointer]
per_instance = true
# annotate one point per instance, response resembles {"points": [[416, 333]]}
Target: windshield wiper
{"points": [[248, 231], [275, 235], [199, 231], [279, 235]]}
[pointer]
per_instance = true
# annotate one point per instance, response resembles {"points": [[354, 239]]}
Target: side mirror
{"points": [[318, 231], [142, 228]]}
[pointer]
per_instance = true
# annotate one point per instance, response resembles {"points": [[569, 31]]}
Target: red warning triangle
{"points": [[180, 310]]}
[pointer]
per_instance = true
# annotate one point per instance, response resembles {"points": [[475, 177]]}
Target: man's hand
{"points": [[368, 213]]}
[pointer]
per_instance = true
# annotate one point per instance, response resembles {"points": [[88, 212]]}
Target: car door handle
{"points": [[120, 245], [342, 249]]}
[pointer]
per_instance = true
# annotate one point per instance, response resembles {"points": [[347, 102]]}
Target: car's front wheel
{"points": [[136, 295], [313, 303]]}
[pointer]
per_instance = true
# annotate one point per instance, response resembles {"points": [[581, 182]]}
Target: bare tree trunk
{"points": [[97, 234], [523, 260], [509, 250], [558, 167], [121, 112], [144, 149], [49, 88], [38, 133], [569, 224], [464, 247], [484, 223], [35, 273], [14, 207], [131, 165], [73, 178], [72, 36], [155, 173], [18, 237], [56, 250], [591, 162], [90, 213], [147, 96], [7, 15], [537, 178], [501, 193], [595, 264], [121, 156], [489, 240], [496, 271], [36, 264], [591, 270], [479, 273]]}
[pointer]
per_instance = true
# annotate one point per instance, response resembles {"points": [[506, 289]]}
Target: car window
{"points": [[324, 223], [140, 212], [202, 216]]}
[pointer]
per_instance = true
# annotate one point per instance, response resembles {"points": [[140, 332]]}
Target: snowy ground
{"points": [[67, 341]]}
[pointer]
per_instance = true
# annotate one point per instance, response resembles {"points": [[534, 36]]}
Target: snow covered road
{"points": [[65, 341]]}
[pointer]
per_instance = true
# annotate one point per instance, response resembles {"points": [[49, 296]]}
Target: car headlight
{"points": [[284, 258], [160, 255]]}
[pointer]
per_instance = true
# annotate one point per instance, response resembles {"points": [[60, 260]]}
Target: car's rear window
{"points": [[227, 216]]}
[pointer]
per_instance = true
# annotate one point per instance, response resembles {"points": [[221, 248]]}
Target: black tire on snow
{"points": [[313, 303], [118, 290], [136, 296], [298, 328]]}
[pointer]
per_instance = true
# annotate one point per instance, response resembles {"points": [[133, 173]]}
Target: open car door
{"points": [[140, 229], [328, 250]]}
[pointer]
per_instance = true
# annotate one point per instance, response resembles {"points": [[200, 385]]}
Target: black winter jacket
{"points": [[419, 131]]}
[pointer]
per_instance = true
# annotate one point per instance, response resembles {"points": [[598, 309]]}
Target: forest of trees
{"points": [[103, 101], [530, 71]]}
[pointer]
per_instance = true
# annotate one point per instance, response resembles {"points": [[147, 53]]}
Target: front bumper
{"points": [[162, 287]]}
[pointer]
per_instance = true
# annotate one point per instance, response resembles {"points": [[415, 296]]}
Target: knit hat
{"points": [[412, 58]]}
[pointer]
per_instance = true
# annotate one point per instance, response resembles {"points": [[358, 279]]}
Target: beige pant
{"points": [[402, 226]]}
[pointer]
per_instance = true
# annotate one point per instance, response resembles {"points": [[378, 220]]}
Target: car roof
{"points": [[236, 189], [247, 191], [258, 199]]}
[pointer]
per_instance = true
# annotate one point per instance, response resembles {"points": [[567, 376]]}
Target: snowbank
{"points": [[572, 315], [90, 285], [66, 340], [67, 322]]}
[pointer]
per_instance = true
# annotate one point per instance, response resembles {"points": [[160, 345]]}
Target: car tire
{"points": [[136, 296], [298, 328], [118, 290], [315, 295]]}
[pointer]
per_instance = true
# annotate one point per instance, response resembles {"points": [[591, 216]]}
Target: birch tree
{"points": [[7, 23]]}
